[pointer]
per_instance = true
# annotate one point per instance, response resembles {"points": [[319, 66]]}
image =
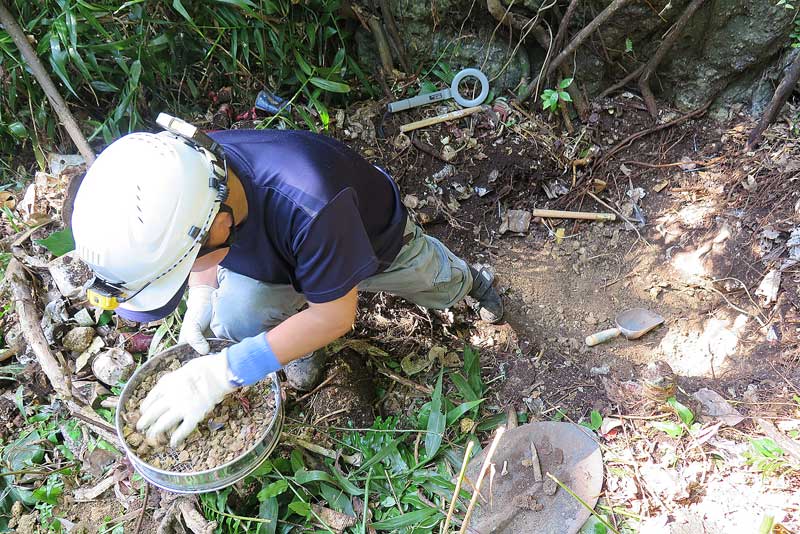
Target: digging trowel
{"points": [[632, 324]]}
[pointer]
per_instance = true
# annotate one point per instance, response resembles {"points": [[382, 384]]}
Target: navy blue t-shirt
{"points": [[319, 217]]}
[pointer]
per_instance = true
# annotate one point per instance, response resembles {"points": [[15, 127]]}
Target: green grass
{"points": [[407, 466], [119, 64]]}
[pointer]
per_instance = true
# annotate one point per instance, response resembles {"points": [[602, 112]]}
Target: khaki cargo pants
{"points": [[424, 272]]}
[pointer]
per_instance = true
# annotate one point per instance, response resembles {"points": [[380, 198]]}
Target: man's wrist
{"points": [[250, 360]]}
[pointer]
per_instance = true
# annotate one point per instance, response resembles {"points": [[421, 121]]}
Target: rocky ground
{"points": [[713, 248]]}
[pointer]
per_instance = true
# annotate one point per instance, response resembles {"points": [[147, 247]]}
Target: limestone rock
{"points": [[70, 274], [78, 339], [113, 366]]}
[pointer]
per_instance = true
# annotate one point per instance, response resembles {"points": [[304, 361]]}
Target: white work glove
{"points": [[197, 318], [184, 397]]}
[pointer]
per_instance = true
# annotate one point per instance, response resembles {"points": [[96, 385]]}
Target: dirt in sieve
{"points": [[232, 428]]}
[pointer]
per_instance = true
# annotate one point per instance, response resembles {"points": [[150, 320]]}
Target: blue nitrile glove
{"points": [[250, 360]]}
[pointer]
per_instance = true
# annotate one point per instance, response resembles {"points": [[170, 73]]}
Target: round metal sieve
{"points": [[182, 480]]}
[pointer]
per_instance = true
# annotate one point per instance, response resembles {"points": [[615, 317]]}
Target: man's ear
{"points": [[223, 219]]}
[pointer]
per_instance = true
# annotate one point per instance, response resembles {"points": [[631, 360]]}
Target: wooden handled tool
{"points": [[440, 118], [557, 214]]}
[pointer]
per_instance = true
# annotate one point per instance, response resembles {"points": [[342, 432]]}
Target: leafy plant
{"points": [[595, 421], [401, 472], [767, 457], [676, 429], [58, 243], [552, 98], [122, 63], [628, 45]]}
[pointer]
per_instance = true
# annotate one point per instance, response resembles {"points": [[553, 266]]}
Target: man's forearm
{"points": [[255, 357], [307, 331]]}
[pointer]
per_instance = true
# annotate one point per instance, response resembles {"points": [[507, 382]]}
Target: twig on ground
{"points": [[782, 93], [485, 467], [319, 387], [427, 390], [638, 135], [454, 500], [138, 527], [354, 460], [29, 321], [623, 82], [620, 215]]}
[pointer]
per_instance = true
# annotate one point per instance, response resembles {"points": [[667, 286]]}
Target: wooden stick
{"points": [[485, 467], [382, 42], [454, 500], [37, 69], [440, 118], [29, 321], [558, 214]]}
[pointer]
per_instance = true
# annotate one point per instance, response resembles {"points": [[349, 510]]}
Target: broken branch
{"points": [[29, 321], [454, 500]]}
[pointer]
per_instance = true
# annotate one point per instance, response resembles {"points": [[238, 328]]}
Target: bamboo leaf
{"points": [[405, 520], [436, 422], [331, 86]]}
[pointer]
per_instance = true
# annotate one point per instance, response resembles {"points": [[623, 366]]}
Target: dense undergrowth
{"points": [[119, 64]]}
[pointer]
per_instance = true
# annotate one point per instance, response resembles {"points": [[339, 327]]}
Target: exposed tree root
{"points": [[622, 83], [524, 24], [394, 35], [575, 43], [661, 51], [782, 93], [638, 135], [563, 26]]}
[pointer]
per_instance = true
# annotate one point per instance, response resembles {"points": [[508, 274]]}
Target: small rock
{"points": [[401, 141], [602, 370], [135, 439], [591, 319], [445, 172], [70, 274], [78, 339], [113, 366], [83, 318], [518, 221], [493, 176], [410, 201], [92, 350]]}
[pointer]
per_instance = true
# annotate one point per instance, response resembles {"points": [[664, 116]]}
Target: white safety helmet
{"points": [[143, 211]]}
